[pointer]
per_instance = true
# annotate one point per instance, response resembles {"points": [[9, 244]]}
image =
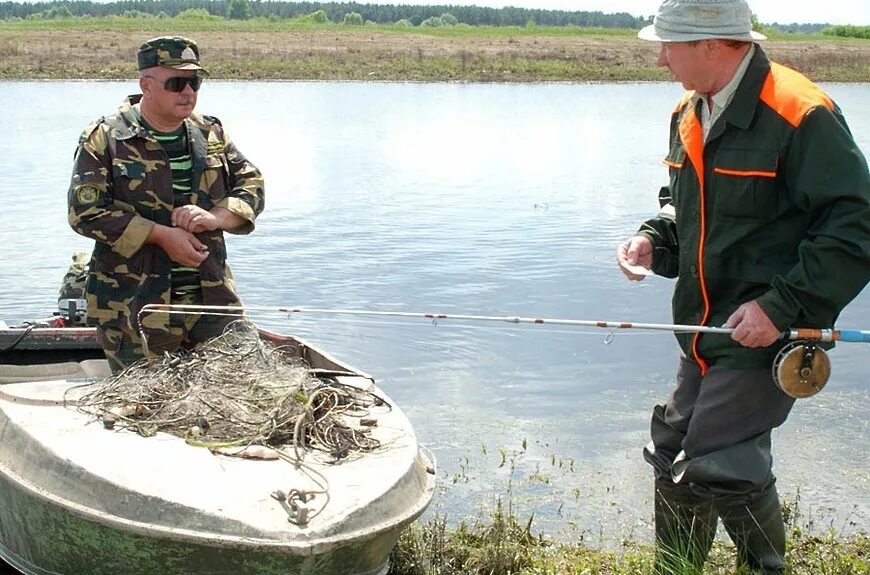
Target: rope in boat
{"points": [[236, 394]]}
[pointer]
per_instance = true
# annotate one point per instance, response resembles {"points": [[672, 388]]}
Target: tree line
{"points": [[334, 11], [356, 13]]}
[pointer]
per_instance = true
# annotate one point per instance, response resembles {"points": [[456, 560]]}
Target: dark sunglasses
{"points": [[177, 83]]}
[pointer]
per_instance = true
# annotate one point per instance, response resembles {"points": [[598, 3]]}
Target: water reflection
{"points": [[474, 199]]}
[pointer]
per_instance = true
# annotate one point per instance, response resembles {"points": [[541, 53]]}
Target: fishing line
{"points": [[824, 335], [800, 369]]}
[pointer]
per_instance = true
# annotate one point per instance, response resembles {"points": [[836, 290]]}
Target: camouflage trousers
{"points": [[124, 346]]}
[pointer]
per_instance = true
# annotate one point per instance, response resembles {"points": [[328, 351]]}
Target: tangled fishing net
{"points": [[237, 390]]}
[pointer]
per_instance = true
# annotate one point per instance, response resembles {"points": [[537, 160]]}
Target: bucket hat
{"points": [[175, 52], [689, 20]]}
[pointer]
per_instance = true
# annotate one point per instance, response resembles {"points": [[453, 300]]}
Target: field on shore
{"points": [[105, 49]]}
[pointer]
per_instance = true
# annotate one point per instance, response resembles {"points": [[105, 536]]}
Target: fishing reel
{"points": [[801, 368]]}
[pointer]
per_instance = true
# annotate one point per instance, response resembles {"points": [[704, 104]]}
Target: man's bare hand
{"points": [[635, 255], [181, 246], [752, 327], [194, 219]]}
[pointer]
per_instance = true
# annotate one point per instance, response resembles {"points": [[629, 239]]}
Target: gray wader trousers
{"points": [[710, 451]]}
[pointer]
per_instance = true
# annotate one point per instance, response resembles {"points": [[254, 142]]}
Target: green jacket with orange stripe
{"points": [[775, 207]]}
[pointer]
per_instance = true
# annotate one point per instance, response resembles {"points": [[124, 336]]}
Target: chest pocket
{"points": [[215, 177], [128, 169], [743, 183]]}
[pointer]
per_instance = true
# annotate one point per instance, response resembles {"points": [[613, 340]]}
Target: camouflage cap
{"points": [[175, 52]]}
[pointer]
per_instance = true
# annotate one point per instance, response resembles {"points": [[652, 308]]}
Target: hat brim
{"points": [[650, 33], [185, 66]]}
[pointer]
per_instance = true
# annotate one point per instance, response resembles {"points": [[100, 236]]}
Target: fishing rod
{"points": [[800, 369], [823, 335]]}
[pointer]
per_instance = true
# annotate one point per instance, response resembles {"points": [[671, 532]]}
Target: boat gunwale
{"points": [[184, 535], [305, 548]]}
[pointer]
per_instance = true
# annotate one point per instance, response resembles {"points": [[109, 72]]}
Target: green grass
{"points": [[503, 540], [266, 24], [217, 23], [502, 544], [292, 49]]}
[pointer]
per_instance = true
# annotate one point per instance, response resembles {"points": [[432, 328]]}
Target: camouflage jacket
{"points": [[122, 186]]}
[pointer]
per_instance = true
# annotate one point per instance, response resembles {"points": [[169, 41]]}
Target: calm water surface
{"points": [[467, 199]]}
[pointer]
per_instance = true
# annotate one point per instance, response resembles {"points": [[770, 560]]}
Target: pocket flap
{"points": [[747, 163], [676, 157], [132, 170]]}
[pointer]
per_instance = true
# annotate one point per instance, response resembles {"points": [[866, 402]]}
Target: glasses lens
{"points": [[177, 83]]}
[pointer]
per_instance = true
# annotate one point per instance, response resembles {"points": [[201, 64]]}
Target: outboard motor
{"points": [[72, 305]]}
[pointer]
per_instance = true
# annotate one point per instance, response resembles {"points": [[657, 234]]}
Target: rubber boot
{"points": [[758, 532], [685, 528]]}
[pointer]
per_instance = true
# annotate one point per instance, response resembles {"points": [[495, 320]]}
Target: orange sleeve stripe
{"points": [[677, 165], [791, 94], [745, 173]]}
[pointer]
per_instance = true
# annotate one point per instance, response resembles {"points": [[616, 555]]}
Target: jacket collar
{"points": [[741, 111]]}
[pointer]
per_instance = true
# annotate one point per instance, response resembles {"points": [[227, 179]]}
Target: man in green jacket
{"points": [[156, 185], [765, 223]]}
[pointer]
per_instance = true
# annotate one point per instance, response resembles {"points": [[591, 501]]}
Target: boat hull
{"points": [[76, 498], [41, 536]]}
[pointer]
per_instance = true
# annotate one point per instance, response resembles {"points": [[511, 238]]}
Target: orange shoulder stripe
{"points": [[791, 94]]}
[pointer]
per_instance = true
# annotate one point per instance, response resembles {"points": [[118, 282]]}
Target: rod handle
{"points": [[848, 335]]}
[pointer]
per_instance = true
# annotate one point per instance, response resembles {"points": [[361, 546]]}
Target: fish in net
{"points": [[238, 391]]}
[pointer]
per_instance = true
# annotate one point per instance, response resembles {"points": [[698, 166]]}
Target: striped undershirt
{"points": [[185, 280]]}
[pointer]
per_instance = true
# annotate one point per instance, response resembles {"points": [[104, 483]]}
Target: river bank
{"points": [[105, 49], [504, 544]]}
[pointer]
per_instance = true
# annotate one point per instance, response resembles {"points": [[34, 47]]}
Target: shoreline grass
{"points": [[502, 544], [261, 49], [502, 538]]}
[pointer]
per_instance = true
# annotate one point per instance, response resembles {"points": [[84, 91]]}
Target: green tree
{"points": [[353, 19], [134, 14], [319, 17], [196, 14], [238, 10], [433, 22], [449, 19], [57, 13], [756, 25]]}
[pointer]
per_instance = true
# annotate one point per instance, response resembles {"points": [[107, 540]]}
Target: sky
{"points": [[768, 11]]}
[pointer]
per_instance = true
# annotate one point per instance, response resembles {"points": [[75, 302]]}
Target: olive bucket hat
{"points": [[689, 20], [175, 52]]}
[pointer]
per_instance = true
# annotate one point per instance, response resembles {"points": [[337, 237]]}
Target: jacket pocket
{"points": [[743, 183], [128, 169], [215, 176]]}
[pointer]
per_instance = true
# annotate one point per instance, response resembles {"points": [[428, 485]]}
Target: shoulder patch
{"points": [[86, 194]]}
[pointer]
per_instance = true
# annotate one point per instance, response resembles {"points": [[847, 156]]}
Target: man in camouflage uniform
{"points": [[155, 186]]}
